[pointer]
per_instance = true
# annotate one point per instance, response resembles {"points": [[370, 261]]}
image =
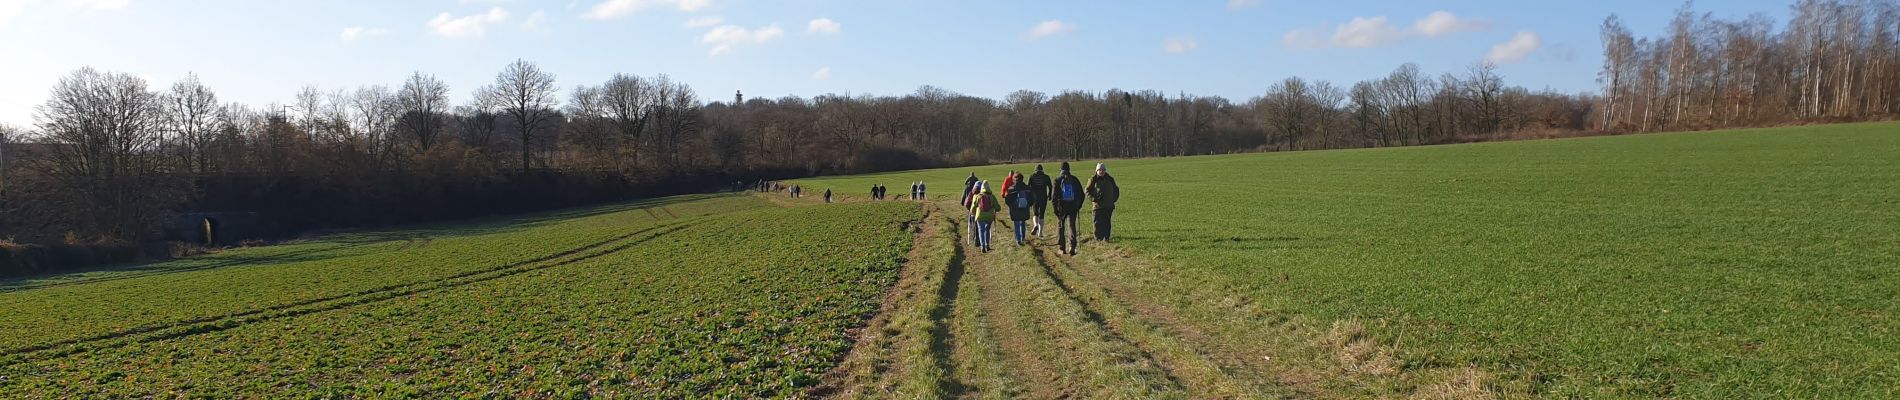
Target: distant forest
{"points": [[112, 158]]}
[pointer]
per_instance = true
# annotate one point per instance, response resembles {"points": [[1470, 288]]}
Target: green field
{"points": [[694, 296], [1755, 263], [1738, 264]]}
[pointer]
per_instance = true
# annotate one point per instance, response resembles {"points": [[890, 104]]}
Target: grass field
{"points": [[1754, 263], [1741, 264], [723, 296]]}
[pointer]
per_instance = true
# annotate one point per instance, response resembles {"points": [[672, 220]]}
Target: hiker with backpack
{"points": [[1068, 194], [984, 206], [1017, 196], [1104, 193], [1039, 186], [827, 195]]}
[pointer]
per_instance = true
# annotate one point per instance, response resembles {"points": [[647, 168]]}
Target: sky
{"points": [[263, 51]]}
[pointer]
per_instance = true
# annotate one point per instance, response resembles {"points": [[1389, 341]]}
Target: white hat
{"points": [[1100, 167]]}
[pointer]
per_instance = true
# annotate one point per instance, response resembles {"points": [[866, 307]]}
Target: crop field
{"points": [[1733, 264], [692, 296]]}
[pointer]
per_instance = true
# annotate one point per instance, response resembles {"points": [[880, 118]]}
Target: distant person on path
{"points": [[1017, 198], [913, 190], [921, 190], [1103, 192], [873, 192], [1069, 195], [985, 208], [1039, 196], [827, 195]]}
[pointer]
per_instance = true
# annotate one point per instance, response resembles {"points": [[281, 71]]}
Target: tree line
{"points": [[1836, 60], [110, 157]]}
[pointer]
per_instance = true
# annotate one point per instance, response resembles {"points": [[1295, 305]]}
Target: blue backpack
{"points": [[1069, 191]]}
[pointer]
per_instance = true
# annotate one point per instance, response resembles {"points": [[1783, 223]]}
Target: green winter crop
{"points": [[1749, 263], [626, 301]]}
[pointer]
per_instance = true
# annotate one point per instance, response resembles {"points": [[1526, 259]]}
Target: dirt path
{"points": [[1028, 322]]}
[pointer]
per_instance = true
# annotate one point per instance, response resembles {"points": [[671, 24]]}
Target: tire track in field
{"points": [[1192, 363], [155, 332], [1056, 342], [131, 273], [882, 361]]}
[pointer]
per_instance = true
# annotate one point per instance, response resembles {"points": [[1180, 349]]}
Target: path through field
{"points": [[1029, 322]]}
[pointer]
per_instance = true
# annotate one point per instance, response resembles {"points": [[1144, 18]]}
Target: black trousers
{"points": [[1067, 230], [1103, 223]]}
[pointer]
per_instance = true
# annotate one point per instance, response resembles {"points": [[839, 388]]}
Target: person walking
{"points": [[913, 190], [1017, 198], [1039, 196], [921, 190], [984, 206], [969, 188], [1104, 193], [1068, 194], [827, 195]]}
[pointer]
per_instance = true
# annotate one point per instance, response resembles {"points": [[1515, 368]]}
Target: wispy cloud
{"points": [[353, 33], [1179, 45], [1514, 50], [449, 25], [823, 25], [1049, 28], [702, 22], [98, 4], [822, 73], [1443, 23], [726, 37], [1366, 32], [612, 9], [536, 23]]}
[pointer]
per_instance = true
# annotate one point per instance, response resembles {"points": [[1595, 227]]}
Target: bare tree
{"points": [[105, 137], [422, 100], [190, 114], [527, 95]]}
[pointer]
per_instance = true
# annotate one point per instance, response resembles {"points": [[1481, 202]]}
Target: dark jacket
{"points": [[969, 189], [1104, 192], [1039, 187], [1019, 200], [1066, 208]]}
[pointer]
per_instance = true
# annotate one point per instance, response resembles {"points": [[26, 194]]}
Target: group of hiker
{"points": [[879, 192], [1027, 198]]}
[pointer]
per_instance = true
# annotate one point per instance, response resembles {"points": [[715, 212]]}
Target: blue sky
{"points": [[263, 51]]}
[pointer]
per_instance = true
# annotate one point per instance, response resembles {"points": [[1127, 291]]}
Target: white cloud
{"points": [[1443, 23], [612, 9], [1239, 4], [98, 4], [361, 32], [823, 25], [1366, 32], [1179, 45], [1049, 28], [469, 25], [1514, 50], [725, 37], [822, 74], [702, 22], [536, 23]]}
